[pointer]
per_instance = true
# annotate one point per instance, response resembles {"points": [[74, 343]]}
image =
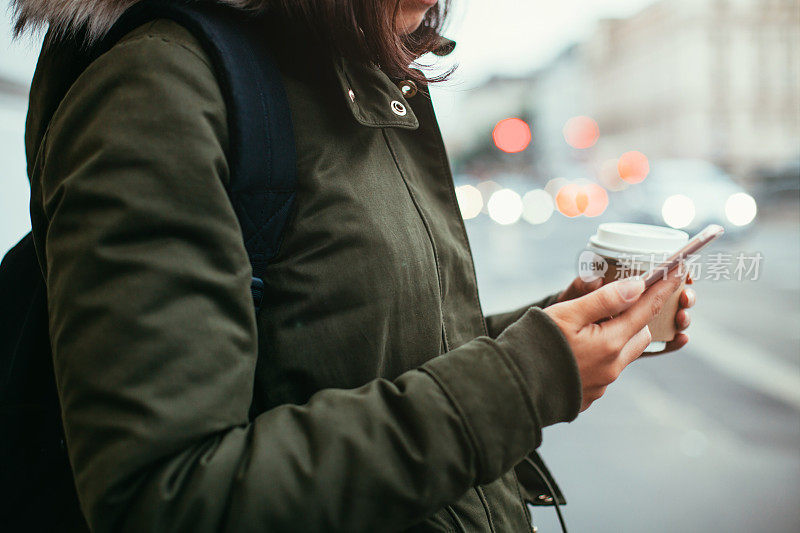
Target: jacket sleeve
{"points": [[154, 340], [495, 324]]}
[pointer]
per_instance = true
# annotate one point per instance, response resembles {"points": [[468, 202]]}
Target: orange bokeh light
{"points": [[566, 200], [512, 135], [582, 201], [573, 200], [633, 167], [581, 132], [598, 200]]}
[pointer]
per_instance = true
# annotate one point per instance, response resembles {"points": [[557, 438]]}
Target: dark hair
{"points": [[362, 29], [366, 31]]}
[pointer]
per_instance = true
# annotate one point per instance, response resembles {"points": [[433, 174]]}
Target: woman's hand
{"points": [[688, 298], [607, 328]]}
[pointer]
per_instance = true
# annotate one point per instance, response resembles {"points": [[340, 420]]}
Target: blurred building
{"points": [[711, 79], [561, 90], [11, 88], [717, 80]]}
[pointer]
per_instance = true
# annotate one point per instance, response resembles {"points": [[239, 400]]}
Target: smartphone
{"points": [[695, 244]]}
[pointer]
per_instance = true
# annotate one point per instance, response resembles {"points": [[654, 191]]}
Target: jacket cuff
{"points": [[549, 369], [507, 390], [495, 324]]}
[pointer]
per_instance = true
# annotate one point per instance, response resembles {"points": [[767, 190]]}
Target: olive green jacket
{"points": [[368, 394]]}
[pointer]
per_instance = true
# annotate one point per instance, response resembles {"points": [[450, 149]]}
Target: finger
{"points": [[635, 346], [682, 319], [579, 288], [677, 343], [609, 300], [689, 280], [688, 298], [645, 309]]}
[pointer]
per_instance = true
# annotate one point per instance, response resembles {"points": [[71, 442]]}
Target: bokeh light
{"points": [[554, 185], [512, 135], [487, 189], [608, 176], [566, 200], [678, 211], [597, 200], [581, 132], [633, 167], [505, 207], [470, 201], [582, 198], [740, 209], [537, 206]]}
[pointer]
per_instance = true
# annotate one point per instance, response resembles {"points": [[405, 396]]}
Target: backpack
{"points": [[36, 476]]}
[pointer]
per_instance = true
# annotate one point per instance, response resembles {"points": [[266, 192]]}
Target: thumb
{"points": [[605, 302]]}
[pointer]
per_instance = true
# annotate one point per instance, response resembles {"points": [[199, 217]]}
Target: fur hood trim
{"points": [[97, 16]]}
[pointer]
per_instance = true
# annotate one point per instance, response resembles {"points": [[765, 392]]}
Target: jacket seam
{"points": [[466, 427], [121, 44], [428, 231], [458, 524], [154, 36], [42, 150], [517, 374], [487, 510]]}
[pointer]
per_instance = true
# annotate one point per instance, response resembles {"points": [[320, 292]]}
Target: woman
{"points": [[369, 393]]}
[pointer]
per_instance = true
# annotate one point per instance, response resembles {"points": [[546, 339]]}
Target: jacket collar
{"points": [[375, 99]]}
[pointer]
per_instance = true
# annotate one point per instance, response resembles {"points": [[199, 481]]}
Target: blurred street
{"points": [[705, 439]]}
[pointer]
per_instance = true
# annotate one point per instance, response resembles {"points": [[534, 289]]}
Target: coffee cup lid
{"points": [[614, 239]]}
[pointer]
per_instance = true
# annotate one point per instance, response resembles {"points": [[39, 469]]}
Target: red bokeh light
{"points": [[581, 132], [573, 200], [512, 135], [633, 167]]}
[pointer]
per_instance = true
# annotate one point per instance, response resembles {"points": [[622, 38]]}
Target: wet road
{"points": [[706, 439]]}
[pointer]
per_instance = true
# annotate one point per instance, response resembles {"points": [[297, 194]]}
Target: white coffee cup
{"points": [[620, 250]]}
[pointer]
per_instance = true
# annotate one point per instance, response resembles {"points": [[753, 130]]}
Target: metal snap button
{"points": [[399, 109], [545, 498], [408, 88]]}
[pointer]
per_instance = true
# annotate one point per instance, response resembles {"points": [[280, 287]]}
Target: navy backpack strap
{"points": [[261, 158]]}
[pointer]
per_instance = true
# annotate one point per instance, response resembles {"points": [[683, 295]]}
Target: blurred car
{"points": [[781, 183], [689, 194]]}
